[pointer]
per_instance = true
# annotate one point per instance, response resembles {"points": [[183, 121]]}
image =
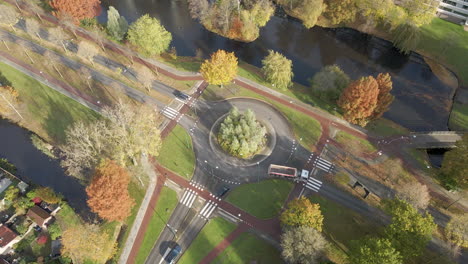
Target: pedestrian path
{"points": [[323, 164], [208, 209], [189, 197], [313, 184]]}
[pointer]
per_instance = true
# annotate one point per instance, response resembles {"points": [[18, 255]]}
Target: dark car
{"points": [[175, 251], [181, 95], [221, 193]]}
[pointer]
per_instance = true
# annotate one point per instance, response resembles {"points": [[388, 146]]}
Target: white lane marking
{"points": [[205, 208], [211, 211], [165, 255], [323, 161], [314, 180], [184, 197], [190, 203], [326, 164]]}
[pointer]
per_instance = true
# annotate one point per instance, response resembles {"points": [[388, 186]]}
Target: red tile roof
{"points": [[6, 235]]}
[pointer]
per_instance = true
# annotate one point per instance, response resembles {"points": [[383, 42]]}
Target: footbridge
{"points": [[434, 139]]}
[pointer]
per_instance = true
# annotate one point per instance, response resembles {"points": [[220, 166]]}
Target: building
{"points": [[40, 216], [454, 10], [7, 239]]}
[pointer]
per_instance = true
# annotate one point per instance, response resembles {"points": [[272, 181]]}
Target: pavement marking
{"points": [[165, 255], [170, 112], [228, 215], [189, 197], [323, 164], [208, 209], [313, 184]]}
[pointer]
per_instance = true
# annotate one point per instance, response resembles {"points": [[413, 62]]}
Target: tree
{"points": [[87, 242], [457, 230], [341, 11], [8, 16], [48, 195], [54, 231], [33, 28], [415, 194], [301, 212], [306, 10], [117, 25], [108, 192], [278, 70], [149, 36], [11, 193], [57, 36], [198, 8], [220, 69], [77, 9], [146, 77], [409, 231], [10, 98], [241, 135], [303, 245], [420, 12], [329, 82], [87, 50], [384, 99], [454, 163], [406, 37], [359, 99], [374, 250], [22, 204]]}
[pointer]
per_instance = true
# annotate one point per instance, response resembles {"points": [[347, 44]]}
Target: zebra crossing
{"points": [[188, 198], [208, 209], [170, 112], [313, 184], [322, 164]]}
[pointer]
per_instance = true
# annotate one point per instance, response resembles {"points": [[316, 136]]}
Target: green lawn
{"points": [[177, 153], [264, 199], [210, 236], [247, 248], [459, 117], [303, 126], [166, 203], [341, 225], [449, 43], [46, 112], [385, 127], [354, 144]]}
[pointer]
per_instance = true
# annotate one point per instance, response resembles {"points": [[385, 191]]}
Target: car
{"points": [[172, 255], [221, 193], [181, 95]]}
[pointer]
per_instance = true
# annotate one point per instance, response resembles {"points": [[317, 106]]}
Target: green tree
{"points": [[117, 25], [307, 11], [303, 245], [329, 82], [454, 164], [4, 164], [301, 212], [149, 36], [241, 135], [11, 193], [406, 37], [54, 231], [409, 232], [22, 204], [457, 230], [277, 70], [372, 251], [48, 195], [420, 12], [359, 99], [220, 69], [340, 11]]}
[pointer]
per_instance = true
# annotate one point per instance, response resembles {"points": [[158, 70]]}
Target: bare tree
{"points": [[68, 22], [415, 194], [87, 51], [10, 97], [33, 28], [51, 58], [34, 6], [98, 37], [8, 16], [58, 37], [146, 77], [302, 245]]}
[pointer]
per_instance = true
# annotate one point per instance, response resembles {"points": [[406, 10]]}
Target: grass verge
{"points": [[353, 144], [459, 117], [247, 248], [46, 111], [210, 236], [385, 127], [269, 197], [177, 153], [166, 203]]}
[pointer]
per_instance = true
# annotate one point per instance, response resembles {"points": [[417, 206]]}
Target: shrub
{"points": [[43, 146], [329, 83]]}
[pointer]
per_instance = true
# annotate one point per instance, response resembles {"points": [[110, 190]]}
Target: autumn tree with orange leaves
{"points": [[108, 192], [384, 99], [359, 100], [78, 9]]}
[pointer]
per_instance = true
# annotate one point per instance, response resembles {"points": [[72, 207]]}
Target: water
{"points": [[436, 156], [34, 166], [422, 101]]}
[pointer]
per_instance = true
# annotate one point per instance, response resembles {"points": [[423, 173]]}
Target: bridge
{"points": [[434, 139]]}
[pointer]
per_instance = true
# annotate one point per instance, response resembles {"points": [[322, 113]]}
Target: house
{"points": [[23, 187], [40, 216], [4, 184], [454, 10], [7, 239]]}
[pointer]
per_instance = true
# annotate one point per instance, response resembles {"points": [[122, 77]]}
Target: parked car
{"points": [[223, 192], [181, 95], [175, 251]]}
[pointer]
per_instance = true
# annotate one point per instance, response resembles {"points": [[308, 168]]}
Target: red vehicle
{"points": [[282, 171]]}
